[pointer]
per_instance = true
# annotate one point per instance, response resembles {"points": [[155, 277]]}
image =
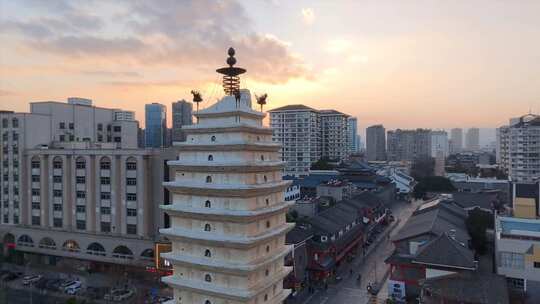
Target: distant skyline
{"points": [[403, 64]]}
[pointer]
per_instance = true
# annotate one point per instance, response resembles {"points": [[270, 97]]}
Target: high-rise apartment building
{"points": [[439, 142], [518, 148], [376, 143], [298, 129], [155, 135], [334, 135], [353, 137], [472, 139], [74, 185], [456, 140], [181, 116], [408, 144]]}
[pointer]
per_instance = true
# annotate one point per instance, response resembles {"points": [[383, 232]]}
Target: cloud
{"points": [[308, 16], [111, 74], [192, 34], [339, 45]]}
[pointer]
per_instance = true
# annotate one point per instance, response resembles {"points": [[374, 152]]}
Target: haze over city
{"points": [[404, 64]]}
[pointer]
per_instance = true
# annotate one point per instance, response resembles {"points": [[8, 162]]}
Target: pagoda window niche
{"points": [[207, 227]]}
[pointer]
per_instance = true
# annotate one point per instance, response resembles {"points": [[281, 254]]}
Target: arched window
{"points": [[208, 179], [105, 163], [57, 163], [80, 163], [267, 202], [213, 138], [267, 224], [258, 138], [208, 278], [207, 227], [207, 302], [267, 248], [47, 243], [266, 297], [262, 157], [207, 253], [210, 157], [71, 245], [131, 164], [266, 272], [265, 178], [207, 204]]}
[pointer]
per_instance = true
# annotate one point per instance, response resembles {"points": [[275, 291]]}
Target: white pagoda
{"points": [[228, 211]]}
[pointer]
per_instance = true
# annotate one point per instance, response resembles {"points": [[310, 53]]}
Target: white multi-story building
{"points": [[439, 142], [228, 212], [298, 129], [334, 135], [74, 185], [518, 148]]}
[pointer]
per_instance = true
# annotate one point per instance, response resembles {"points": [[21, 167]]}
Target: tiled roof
{"points": [[467, 287], [435, 220], [445, 251], [298, 234]]}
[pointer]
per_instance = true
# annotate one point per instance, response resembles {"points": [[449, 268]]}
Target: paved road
{"points": [[372, 269]]}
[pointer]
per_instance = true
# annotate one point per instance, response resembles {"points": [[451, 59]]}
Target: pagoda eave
{"points": [[236, 294], [228, 167], [238, 216], [208, 238], [226, 190], [223, 267], [198, 129], [187, 146]]}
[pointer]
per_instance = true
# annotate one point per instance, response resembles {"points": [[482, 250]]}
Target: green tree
{"points": [[322, 164], [432, 184], [422, 168], [477, 223]]}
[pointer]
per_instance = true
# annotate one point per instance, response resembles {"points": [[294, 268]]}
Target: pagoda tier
{"points": [[228, 211]]}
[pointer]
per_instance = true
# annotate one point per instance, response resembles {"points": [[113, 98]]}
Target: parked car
{"points": [[31, 279], [123, 294], [71, 284], [73, 289]]}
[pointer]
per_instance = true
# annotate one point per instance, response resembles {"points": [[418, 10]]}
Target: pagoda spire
{"points": [[231, 81]]}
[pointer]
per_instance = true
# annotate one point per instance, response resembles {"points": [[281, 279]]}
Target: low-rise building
{"points": [[433, 242], [517, 246]]}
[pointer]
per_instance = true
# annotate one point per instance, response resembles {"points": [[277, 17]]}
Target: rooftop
{"points": [[518, 226], [295, 107]]}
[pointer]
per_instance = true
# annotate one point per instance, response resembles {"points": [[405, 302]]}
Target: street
{"points": [[372, 269]]}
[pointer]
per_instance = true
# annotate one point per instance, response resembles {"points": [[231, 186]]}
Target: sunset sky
{"points": [[407, 64]]}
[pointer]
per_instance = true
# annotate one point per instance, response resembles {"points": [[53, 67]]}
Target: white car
{"points": [[73, 289], [122, 295], [31, 279], [70, 285]]}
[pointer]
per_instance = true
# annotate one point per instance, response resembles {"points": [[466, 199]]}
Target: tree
{"points": [[432, 184], [291, 216], [477, 223], [322, 164], [422, 167]]}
